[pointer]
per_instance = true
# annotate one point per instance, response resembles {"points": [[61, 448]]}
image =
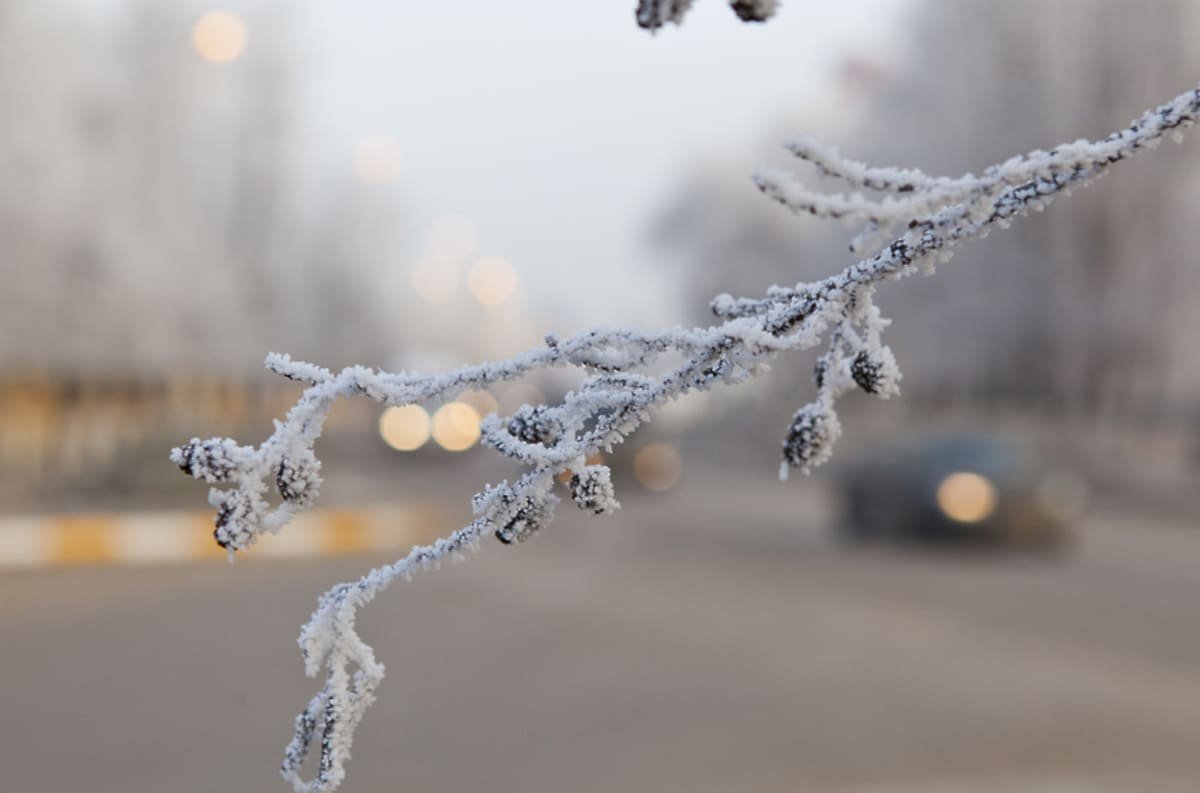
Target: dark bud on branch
{"points": [[811, 436], [233, 518], [754, 10], [876, 372], [299, 479], [653, 14], [592, 490], [534, 425], [525, 522], [214, 460]]}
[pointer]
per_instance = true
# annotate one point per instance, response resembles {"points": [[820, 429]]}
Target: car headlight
{"points": [[966, 497]]}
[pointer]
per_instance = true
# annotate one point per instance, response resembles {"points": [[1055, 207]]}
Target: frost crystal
{"points": [[918, 220]]}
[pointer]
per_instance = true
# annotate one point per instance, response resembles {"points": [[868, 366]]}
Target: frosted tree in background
{"points": [[1105, 338], [106, 198], [910, 222], [653, 14], [1062, 321]]}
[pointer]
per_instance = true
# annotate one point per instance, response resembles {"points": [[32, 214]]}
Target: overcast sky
{"points": [[560, 128]]}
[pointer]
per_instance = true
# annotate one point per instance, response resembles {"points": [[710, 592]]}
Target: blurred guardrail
{"points": [[52, 426], [173, 536]]}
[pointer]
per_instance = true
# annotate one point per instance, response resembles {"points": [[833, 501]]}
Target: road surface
{"points": [[691, 643]]}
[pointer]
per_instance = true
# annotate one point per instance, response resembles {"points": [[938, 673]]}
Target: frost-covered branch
{"points": [[931, 216], [653, 14]]}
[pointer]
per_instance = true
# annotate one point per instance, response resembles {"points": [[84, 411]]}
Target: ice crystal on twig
{"points": [[930, 216]]}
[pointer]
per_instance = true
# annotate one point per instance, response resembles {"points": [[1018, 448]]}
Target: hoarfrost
{"points": [[931, 216]]}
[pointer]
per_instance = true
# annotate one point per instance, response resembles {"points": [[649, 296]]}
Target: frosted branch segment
{"points": [[917, 222]]}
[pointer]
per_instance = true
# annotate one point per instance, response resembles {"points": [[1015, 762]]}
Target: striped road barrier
{"points": [[155, 537]]}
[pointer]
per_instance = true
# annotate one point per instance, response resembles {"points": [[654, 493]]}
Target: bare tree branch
{"points": [[932, 216], [653, 14]]}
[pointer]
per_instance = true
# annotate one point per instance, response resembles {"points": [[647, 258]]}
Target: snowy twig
{"points": [[936, 215], [653, 14]]}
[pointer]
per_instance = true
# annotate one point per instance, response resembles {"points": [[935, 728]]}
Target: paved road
{"points": [[684, 645]]}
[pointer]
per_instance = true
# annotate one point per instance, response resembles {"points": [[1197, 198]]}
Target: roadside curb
{"points": [[133, 538]]}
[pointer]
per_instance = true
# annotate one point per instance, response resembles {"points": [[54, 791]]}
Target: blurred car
{"points": [[960, 489]]}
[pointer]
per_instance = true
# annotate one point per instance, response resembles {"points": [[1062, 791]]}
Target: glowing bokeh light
{"points": [[492, 280], [405, 428], [966, 497], [435, 280], [219, 37], [452, 237], [456, 426], [482, 401], [377, 159], [657, 466]]}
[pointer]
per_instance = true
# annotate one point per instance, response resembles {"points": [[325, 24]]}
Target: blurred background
{"points": [[992, 588]]}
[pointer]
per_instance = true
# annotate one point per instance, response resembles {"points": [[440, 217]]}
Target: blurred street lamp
{"points": [[657, 466], [456, 426], [405, 428], [219, 37], [492, 281], [377, 159]]}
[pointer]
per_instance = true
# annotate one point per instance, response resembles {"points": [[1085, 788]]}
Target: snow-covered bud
{"points": [[810, 438], [592, 490], [535, 513], [754, 10], [876, 372], [236, 520], [653, 14], [299, 478], [629, 372], [535, 425], [215, 460]]}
